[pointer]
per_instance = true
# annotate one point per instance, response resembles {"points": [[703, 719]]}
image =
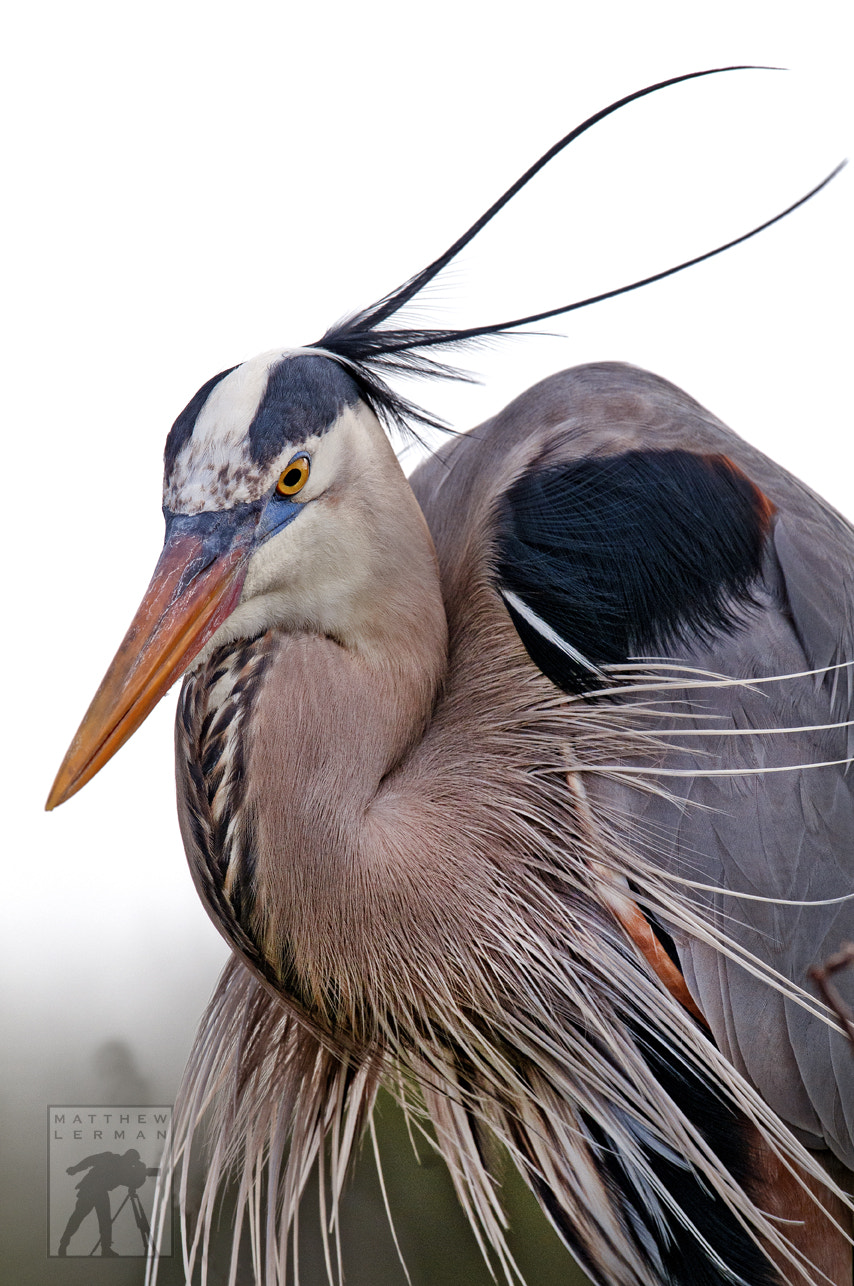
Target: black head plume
{"points": [[372, 350]]}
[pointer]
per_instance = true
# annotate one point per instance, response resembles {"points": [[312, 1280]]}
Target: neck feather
{"points": [[285, 745]]}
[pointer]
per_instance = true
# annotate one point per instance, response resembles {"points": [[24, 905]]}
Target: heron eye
{"points": [[294, 478]]}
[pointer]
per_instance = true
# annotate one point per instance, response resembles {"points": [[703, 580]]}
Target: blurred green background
{"points": [[437, 1245]]}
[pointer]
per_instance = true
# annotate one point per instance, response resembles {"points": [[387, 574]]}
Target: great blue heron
{"points": [[522, 786]]}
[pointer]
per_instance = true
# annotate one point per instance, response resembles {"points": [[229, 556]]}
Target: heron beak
{"points": [[195, 586]]}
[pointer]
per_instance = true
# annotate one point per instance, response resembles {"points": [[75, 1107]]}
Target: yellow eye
{"points": [[294, 478]]}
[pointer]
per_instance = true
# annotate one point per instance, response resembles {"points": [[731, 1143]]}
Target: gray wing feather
{"points": [[786, 835], [781, 835]]}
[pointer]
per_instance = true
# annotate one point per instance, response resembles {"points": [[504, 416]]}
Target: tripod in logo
{"points": [[105, 1172]]}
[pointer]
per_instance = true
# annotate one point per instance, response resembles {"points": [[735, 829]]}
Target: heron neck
{"points": [[312, 730]]}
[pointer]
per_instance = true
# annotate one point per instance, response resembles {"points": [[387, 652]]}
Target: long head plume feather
{"points": [[371, 350], [279, 1095]]}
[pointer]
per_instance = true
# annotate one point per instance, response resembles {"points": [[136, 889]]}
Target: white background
{"points": [[188, 184]]}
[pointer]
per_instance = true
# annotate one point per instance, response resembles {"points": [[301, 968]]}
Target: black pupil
{"points": [[292, 477]]}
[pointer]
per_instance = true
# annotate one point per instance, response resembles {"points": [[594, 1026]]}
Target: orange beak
{"points": [[195, 586]]}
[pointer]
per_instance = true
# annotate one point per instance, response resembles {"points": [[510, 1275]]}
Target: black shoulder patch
{"points": [[182, 429], [624, 556], [304, 397]]}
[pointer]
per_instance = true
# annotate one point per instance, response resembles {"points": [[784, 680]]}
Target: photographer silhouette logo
{"points": [[103, 1164]]}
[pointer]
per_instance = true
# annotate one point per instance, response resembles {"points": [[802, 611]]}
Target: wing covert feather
{"points": [[785, 835]]}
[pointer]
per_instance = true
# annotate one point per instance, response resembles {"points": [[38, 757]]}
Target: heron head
{"points": [[275, 474]]}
